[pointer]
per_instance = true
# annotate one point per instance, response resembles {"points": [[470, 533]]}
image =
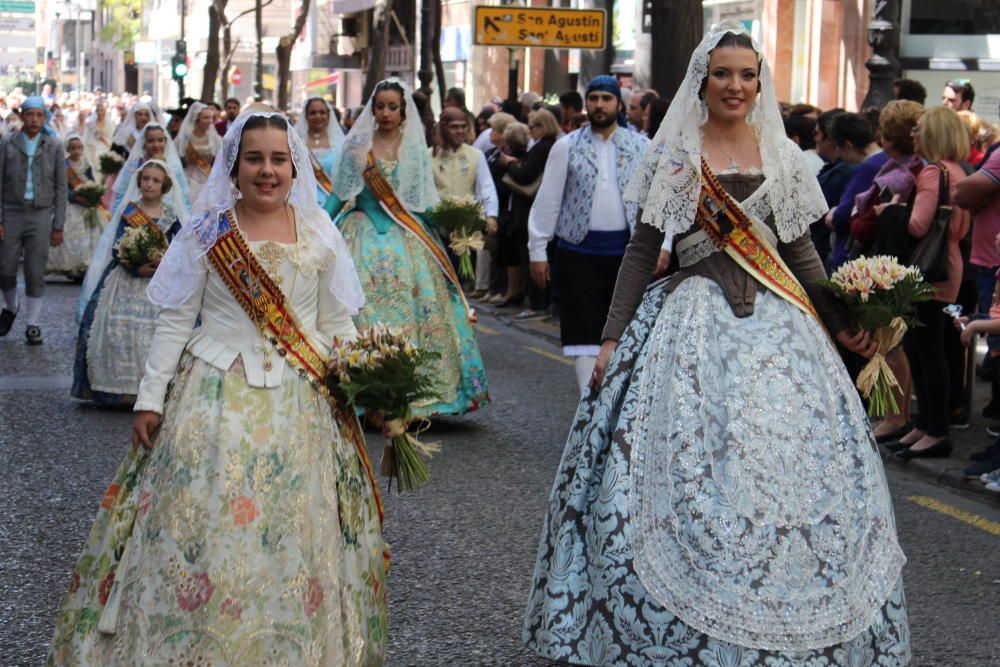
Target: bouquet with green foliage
{"points": [[110, 163], [880, 295], [381, 373], [88, 195], [463, 219], [141, 245]]}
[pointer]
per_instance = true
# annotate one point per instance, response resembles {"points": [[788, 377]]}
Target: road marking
{"points": [[991, 527], [486, 330], [550, 355]]}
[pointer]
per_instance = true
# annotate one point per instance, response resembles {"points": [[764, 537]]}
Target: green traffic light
{"points": [[180, 70]]}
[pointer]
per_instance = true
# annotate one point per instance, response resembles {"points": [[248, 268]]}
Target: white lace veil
{"points": [[137, 157], [187, 129], [127, 126], [84, 158], [413, 181], [173, 205], [334, 133], [175, 279], [667, 183]]}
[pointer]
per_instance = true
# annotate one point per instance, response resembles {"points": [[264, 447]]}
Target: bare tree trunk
{"points": [[228, 50], [284, 53], [428, 19], [379, 48], [436, 46], [677, 29], [211, 72]]}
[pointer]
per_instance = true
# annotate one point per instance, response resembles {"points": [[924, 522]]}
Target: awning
{"points": [[352, 6], [328, 80]]}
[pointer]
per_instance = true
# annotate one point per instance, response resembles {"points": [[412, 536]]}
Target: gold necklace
{"points": [[387, 148]]}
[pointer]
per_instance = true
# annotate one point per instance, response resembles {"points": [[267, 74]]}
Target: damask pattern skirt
{"points": [[588, 603], [404, 288], [247, 537]]}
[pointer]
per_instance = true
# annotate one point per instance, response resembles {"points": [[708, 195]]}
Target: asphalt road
{"points": [[463, 546]]}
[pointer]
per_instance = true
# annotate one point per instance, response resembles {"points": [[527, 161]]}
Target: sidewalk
{"points": [[944, 472]]}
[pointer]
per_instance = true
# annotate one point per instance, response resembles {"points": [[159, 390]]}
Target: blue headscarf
{"points": [[608, 84], [38, 102]]}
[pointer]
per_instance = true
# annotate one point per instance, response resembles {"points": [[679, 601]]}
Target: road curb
{"points": [[543, 328]]}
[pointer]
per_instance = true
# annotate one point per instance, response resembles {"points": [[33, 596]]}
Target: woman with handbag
{"points": [[941, 140], [523, 178]]}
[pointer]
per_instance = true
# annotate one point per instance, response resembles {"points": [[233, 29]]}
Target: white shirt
{"points": [[486, 189], [483, 142], [607, 214], [227, 332]]}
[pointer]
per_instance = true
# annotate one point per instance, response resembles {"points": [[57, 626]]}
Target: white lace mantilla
{"points": [[760, 511], [666, 185]]}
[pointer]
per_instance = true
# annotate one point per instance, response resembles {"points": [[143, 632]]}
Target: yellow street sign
{"points": [[40, 68], [540, 27]]}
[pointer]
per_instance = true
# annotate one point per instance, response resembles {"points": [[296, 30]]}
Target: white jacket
{"points": [[226, 331]]}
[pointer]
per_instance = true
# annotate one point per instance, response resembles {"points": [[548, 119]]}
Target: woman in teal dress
{"points": [[408, 280], [323, 136]]}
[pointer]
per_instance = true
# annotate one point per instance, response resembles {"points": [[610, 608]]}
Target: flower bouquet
{"points": [[463, 219], [110, 163], [88, 195], [880, 296], [141, 245], [382, 373]]}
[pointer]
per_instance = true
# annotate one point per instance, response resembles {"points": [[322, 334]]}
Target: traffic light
{"points": [[179, 64]]}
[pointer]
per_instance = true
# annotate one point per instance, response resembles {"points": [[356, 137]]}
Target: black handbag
{"points": [[893, 237], [931, 252]]}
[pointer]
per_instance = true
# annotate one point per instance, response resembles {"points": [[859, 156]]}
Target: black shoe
{"points": [[896, 446], [6, 321], [940, 450], [33, 335], [959, 419], [986, 454], [993, 430], [991, 410], [893, 435]]}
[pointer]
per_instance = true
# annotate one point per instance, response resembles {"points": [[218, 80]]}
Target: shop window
{"points": [[954, 17]]}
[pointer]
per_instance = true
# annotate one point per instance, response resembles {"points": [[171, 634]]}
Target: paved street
{"points": [[463, 547]]}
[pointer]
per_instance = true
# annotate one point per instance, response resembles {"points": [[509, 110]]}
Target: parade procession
{"points": [[406, 333]]}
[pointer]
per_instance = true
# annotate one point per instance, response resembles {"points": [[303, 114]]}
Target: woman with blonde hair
{"points": [[942, 140]]}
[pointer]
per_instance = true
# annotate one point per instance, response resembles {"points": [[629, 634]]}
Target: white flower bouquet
{"points": [[110, 163], [880, 295], [465, 222], [141, 245], [382, 374], [88, 195]]}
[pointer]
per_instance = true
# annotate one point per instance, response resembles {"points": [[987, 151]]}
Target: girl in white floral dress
{"points": [[244, 527]]}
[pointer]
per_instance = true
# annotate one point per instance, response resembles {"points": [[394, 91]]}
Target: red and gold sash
{"points": [[733, 231], [383, 191], [72, 177], [322, 180], [196, 159], [136, 217], [262, 299]]}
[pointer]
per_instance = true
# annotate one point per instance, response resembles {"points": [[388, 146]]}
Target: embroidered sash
{"points": [[322, 180], [736, 234], [394, 208], [262, 299], [196, 159], [72, 177], [136, 217]]}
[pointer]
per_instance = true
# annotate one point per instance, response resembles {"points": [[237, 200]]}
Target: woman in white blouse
{"points": [[257, 524]]}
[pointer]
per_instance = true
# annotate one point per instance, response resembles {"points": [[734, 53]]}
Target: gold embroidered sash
{"points": [[735, 233], [394, 208], [136, 217], [322, 180], [262, 299], [196, 159], [72, 177]]}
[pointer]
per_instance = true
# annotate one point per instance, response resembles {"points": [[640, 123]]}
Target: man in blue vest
{"points": [[580, 203]]}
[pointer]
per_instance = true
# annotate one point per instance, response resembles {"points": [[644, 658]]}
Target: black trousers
{"points": [[925, 349], [586, 284]]}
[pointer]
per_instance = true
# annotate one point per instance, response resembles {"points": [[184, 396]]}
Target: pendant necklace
{"points": [[733, 164]]}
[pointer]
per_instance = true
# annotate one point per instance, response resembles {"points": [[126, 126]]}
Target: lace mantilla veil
{"points": [[127, 126], [137, 157], [173, 203], [176, 278], [413, 181], [187, 129], [334, 133], [667, 183]]}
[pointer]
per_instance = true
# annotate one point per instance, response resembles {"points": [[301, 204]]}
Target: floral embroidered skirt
{"points": [[248, 537], [81, 234], [404, 288], [591, 601]]}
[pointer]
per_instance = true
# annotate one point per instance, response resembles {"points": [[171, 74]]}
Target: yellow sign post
{"points": [[541, 27]]}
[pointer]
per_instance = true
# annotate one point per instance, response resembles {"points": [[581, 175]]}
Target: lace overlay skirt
{"points": [[721, 461], [81, 234], [248, 537]]}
